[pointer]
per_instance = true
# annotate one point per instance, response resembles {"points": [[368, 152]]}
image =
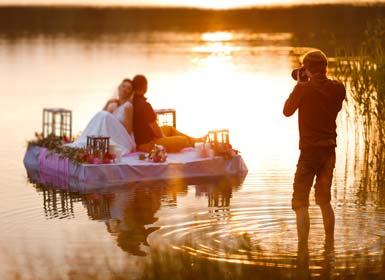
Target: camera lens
{"points": [[294, 73], [302, 74]]}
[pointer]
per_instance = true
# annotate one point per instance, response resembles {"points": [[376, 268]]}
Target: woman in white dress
{"points": [[115, 121]]}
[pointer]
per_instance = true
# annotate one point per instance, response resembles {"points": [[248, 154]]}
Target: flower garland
{"points": [[106, 158], [55, 144], [51, 142]]}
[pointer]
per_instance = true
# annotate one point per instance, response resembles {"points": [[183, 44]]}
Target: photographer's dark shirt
{"points": [[318, 102], [144, 115]]}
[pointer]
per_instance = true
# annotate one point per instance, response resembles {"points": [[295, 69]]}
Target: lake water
{"points": [[229, 229]]}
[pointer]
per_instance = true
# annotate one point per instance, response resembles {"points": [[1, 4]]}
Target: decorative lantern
{"points": [[166, 117], [97, 145], [219, 140], [57, 121], [98, 207], [58, 202]]}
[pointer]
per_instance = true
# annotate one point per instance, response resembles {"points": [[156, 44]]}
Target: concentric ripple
{"points": [[266, 236]]}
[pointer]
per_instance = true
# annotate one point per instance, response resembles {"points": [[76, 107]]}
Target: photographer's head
{"points": [[315, 62]]}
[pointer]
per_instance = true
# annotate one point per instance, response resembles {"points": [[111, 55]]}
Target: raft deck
{"points": [[65, 173]]}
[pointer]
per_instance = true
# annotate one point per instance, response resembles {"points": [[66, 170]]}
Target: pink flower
{"points": [[90, 159], [85, 156], [156, 159], [106, 160], [158, 154], [109, 156], [96, 161]]}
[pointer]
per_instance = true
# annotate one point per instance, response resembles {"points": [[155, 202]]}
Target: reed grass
{"points": [[362, 70]]}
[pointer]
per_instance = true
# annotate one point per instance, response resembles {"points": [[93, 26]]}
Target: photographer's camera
{"points": [[299, 74]]}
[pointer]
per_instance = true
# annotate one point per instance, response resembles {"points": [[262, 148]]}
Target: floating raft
{"points": [[66, 174]]}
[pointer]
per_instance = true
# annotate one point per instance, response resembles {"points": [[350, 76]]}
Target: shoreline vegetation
{"points": [[339, 18], [362, 70], [323, 26]]}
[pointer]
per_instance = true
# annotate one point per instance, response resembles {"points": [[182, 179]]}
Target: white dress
{"points": [[107, 124]]}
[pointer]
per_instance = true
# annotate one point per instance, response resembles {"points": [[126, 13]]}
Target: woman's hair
{"points": [[315, 61], [140, 84]]}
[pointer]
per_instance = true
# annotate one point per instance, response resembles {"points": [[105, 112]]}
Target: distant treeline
{"points": [[342, 20]]}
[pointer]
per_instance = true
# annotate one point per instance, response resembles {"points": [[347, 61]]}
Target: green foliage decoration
{"points": [[55, 144]]}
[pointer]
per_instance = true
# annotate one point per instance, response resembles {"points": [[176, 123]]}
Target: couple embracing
{"points": [[131, 122]]}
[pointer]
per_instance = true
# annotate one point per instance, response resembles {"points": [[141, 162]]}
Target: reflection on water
{"points": [[217, 224], [141, 219], [214, 78], [129, 211]]}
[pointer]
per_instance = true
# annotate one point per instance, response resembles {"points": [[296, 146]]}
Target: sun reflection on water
{"points": [[224, 96], [217, 36], [216, 44]]}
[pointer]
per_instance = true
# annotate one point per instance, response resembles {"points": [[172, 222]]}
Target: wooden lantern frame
{"points": [[166, 117], [57, 121], [97, 145], [219, 140]]}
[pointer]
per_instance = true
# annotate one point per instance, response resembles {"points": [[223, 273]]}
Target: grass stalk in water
{"points": [[363, 72]]}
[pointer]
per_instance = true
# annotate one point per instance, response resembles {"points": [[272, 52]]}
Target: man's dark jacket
{"points": [[318, 102]]}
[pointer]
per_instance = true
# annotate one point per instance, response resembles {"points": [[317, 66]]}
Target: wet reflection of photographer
{"points": [[318, 100]]}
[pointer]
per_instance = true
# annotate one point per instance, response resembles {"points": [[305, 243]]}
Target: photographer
{"points": [[318, 100]]}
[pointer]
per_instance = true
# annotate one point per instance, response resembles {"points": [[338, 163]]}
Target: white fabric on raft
{"points": [[106, 124], [84, 177]]}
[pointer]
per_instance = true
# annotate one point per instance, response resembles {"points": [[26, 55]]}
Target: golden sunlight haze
{"points": [[211, 4]]}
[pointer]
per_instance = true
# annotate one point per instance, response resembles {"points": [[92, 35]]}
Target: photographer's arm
{"points": [[292, 103]]}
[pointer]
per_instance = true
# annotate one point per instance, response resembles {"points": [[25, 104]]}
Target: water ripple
{"points": [[266, 236]]}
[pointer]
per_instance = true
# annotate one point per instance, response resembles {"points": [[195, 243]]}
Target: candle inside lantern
{"points": [[198, 148], [97, 146], [113, 149]]}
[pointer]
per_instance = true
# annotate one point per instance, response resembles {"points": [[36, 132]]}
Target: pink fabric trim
{"points": [[53, 169]]}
